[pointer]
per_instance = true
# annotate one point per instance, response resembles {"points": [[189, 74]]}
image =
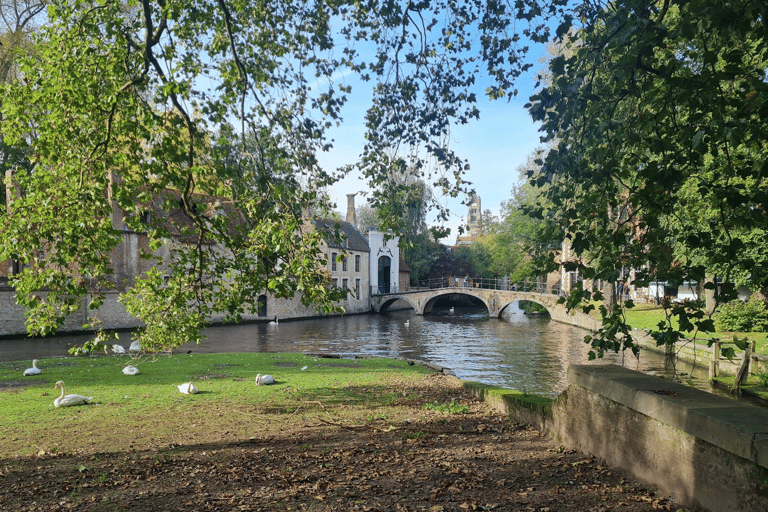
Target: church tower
{"points": [[474, 222]]}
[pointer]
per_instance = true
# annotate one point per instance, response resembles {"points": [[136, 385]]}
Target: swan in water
{"points": [[118, 349], [34, 370], [66, 401], [263, 380], [274, 322], [451, 311], [135, 346], [407, 323], [130, 370], [188, 388]]}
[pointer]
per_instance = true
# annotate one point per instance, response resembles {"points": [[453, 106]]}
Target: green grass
{"points": [[648, 316], [229, 401], [449, 408]]}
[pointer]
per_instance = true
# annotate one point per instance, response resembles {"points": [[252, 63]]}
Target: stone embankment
{"points": [[704, 450]]}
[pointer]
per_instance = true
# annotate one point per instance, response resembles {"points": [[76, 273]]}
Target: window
{"points": [[333, 262], [335, 283], [357, 289], [344, 284], [357, 263], [344, 264]]}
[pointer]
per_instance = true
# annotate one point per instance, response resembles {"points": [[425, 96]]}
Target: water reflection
{"points": [[519, 352]]}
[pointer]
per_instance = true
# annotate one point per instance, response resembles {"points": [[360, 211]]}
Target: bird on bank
{"points": [[130, 370], [264, 380], [34, 370], [69, 400], [188, 388]]}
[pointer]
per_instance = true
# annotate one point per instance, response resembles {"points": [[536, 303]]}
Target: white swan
{"points": [[188, 388], [451, 311], [34, 370], [274, 322], [264, 380], [130, 370], [118, 349], [68, 400], [135, 346], [407, 323]]}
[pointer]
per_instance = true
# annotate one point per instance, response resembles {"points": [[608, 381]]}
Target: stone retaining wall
{"points": [[704, 450], [114, 316]]}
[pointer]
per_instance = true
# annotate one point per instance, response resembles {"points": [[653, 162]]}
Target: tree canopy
{"points": [[187, 107], [660, 116]]}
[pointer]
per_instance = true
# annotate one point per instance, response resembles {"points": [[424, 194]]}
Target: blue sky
{"points": [[494, 146]]}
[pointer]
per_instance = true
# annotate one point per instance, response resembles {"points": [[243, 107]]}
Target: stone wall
{"points": [[114, 316], [703, 450]]}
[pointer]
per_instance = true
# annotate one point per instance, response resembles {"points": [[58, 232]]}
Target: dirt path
{"points": [[433, 461]]}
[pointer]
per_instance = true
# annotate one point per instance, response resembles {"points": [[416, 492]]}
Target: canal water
{"points": [[521, 352]]}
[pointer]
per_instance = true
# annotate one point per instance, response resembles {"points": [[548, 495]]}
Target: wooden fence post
{"points": [[714, 362]]}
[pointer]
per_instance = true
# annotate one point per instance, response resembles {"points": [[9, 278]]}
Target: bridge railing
{"points": [[468, 282]]}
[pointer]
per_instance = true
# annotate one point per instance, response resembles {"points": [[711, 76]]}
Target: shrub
{"points": [[742, 316]]}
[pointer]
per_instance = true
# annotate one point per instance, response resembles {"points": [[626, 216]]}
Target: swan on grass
{"points": [[34, 370], [118, 349], [188, 388], [130, 370], [264, 380], [69, 400]]}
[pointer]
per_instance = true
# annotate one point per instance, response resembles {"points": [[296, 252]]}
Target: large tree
{"points": [[125, 103], [661, 119], [18, 21]]}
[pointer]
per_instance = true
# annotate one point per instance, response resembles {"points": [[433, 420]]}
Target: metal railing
{"points": [[468, 282]]}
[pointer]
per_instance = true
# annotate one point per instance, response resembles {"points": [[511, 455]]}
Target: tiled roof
{"points": [[355, 240]]}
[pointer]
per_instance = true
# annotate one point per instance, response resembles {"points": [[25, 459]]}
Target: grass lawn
{"points": [[148, 408]]}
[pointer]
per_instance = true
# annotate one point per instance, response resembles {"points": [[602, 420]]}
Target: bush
{"points": [[741, 316]]}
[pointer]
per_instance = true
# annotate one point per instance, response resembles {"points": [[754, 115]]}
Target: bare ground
{"points": [[433, 461]]}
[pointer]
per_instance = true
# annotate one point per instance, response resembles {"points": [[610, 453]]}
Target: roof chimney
{"points": [[351, 215]]}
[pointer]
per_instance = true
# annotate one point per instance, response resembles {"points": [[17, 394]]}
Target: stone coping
{"points": [[739, 428]]}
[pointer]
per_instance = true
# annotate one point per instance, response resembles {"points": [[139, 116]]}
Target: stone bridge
{"points": [[495, 300]]}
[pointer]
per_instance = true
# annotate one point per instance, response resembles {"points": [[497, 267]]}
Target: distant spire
{"points": [[351, 215]]}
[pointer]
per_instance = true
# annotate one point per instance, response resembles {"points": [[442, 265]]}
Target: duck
{"points": [[274, 322], [130, 370], [135, 346], [34, 370], [188, 388], [69, 400], [264, 380], [118, 349]]}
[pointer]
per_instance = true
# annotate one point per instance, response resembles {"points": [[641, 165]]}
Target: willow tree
{"points": [[125, 104], [661, 119]]}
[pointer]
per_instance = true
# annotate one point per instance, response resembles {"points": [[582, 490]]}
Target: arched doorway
{"points": [[262, 305], [385, 265]]}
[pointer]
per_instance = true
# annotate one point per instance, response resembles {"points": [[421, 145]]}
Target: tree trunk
{"points": [[710, 298], [609, 296]]}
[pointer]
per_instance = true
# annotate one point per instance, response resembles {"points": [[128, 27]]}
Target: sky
{"points": [[495, 147]]}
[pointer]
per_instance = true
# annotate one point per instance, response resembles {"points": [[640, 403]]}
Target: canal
{"points": [[521, 352]]}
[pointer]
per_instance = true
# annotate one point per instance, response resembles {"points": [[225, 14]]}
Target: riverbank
{"points": [[342, 434]]}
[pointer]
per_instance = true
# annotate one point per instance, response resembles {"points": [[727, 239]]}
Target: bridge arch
{"points": [[495, 301], [385, 304]]}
